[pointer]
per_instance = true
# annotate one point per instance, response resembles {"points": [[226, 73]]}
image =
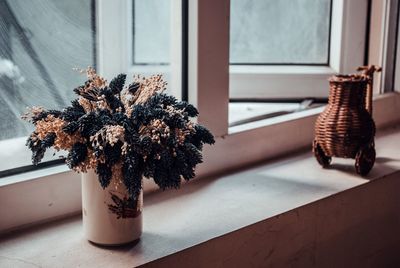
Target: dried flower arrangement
{"points": [[123, 132]]}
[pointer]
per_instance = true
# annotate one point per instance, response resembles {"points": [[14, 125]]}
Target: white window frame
{"points": [[209, 87], [55, 192], [346, 53], [347, 40], [388, 32], [115, 43], [397, 68]]}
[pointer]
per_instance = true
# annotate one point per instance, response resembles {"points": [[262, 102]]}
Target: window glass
{"points": [[151, 31], [41, 42], [279, 32], [156, 41]]}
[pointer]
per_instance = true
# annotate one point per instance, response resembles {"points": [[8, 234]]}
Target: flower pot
{"points": [[110, 217]]}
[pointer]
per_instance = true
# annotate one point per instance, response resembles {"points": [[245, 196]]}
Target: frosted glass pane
{"points": [[279, 32], [41, 42], [151, 31]]}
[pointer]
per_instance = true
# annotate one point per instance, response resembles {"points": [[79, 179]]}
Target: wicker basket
{"points": [[346, 128]]}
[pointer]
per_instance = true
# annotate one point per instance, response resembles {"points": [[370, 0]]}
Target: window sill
{"points": [[212, 219]]}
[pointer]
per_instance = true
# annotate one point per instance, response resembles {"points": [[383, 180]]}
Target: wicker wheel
{"points": [[319, 154], [365, 159]]}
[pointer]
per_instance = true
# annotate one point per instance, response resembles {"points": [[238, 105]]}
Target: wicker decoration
{"points": [[346, 128]]}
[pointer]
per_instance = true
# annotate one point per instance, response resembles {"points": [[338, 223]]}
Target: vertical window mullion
{"points": [[390, 43], [209, 62], [397, 66]]}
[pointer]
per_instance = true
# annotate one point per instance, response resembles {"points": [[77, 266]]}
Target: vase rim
{"points": [[347, 78]]}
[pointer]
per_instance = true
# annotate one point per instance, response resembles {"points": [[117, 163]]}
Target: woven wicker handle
{"points": [[368, 72]]}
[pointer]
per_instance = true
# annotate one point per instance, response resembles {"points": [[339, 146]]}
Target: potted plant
{"points": [[116, 135]]}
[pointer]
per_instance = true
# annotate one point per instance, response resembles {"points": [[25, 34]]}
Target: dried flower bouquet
{"points": [[123, 132]]}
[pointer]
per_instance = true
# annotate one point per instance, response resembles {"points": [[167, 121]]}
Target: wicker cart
{"points": [[346, 128]]}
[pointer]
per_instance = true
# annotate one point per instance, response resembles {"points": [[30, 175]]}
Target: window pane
{"points": [[38, 53], [279, 32], [41, 42], [157, 41], [151, 31]]}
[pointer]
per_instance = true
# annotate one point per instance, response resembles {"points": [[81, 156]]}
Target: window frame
{"points": [[116, 48], [15, 147], [209, 87], [112, 56], [211, 22], [391, 46], [346, 53]]}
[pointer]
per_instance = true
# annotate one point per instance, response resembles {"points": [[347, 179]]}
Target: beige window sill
{"points": [[278, 212]]}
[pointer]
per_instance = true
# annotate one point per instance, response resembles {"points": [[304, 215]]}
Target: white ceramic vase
{"points": [[110, 217]]}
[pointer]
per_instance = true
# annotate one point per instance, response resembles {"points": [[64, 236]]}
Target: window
{"points": [[141, 37], [287, 49], [37, 57], [282, 52], [38, 54], [279, 32], [388, 31], [151, 33], [156, 40]]}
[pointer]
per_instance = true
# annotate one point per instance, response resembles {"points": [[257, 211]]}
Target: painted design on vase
{"points": [[125, 207]]}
